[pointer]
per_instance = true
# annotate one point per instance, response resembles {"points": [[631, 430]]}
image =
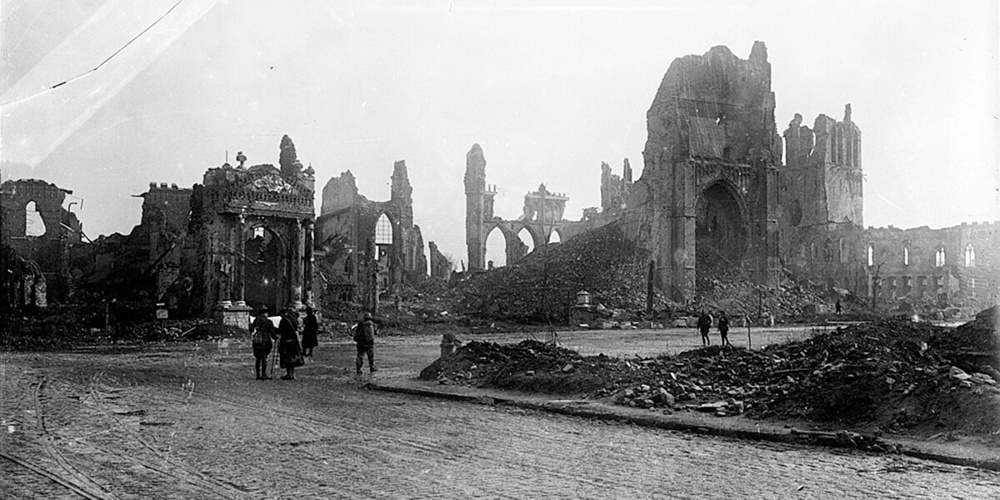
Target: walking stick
{"points": [[274, 353]]}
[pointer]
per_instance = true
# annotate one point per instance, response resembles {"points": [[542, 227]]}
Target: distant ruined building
{"points": [[715, 198], [369, 249]]}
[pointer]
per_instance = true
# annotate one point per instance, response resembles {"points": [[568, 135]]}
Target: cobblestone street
{"points": [[189, 421]]}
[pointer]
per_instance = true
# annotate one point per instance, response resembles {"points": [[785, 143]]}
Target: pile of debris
{"points": [[543, 286], [889, 376]]}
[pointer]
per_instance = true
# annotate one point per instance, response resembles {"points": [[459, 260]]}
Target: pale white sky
{"points": [[549, 89]]}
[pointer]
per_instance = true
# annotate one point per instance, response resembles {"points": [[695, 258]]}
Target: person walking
{"points": [[289, 351], [724, 329], [262, 335], [704, 325], [364, 336], [310, 332]]}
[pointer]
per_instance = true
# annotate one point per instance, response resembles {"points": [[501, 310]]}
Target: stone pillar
{"points": [[222, 267], [239, 279], [297, 244], [307, 227]]}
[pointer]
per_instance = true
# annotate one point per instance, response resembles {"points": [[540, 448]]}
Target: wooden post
{"points": [[749, 342]]}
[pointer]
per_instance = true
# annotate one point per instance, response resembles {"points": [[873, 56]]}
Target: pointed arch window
{"points": [[871, 255], [939, 257], [970, 255], [906, 256]]}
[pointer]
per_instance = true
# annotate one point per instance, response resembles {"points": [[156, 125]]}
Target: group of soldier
{"points": [[292, 352], [705, 321]]}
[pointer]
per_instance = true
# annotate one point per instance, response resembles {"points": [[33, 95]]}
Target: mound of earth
{"points": [[893, 376]]}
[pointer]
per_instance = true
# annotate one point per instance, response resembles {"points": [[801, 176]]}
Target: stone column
{"points": [[297, 244], [223, 268], [307, 229], [239, 271]]}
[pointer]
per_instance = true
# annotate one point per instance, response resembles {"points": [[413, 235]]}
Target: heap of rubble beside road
{"points": [[888, 376]]}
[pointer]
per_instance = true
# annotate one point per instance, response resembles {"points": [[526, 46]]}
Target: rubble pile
{"points": [[889, 376], [543, 286]]}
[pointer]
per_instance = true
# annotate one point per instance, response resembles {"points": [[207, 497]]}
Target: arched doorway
{"points": [[720, 234], [264, 269]]}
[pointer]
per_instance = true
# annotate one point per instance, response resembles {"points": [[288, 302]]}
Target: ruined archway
{"points": [[496, 248], [720, 229]]}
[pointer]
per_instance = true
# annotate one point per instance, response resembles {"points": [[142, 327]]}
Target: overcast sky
{"points": [[549, 89]]}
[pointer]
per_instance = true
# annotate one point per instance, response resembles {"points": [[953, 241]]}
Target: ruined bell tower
{"points": [[478, 206]]}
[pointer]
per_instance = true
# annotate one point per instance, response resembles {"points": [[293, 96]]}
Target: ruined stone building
{"points": [[369, 249], [708, 195], [957, 264], [36, 232], [542, 217]]}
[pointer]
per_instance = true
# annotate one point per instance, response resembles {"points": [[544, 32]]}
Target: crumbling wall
{"points": [[441, 266], [615, 188], [45, 276]]}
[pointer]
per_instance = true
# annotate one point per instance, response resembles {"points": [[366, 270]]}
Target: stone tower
{"points": [[478, 206], [708, 194], [821, 202]]}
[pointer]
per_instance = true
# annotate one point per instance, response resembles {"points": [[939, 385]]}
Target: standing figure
{"points": [[839, 307], [364, 337], [262, 335], [288, 344], [704, 325], [310, 332], [724, 329]]}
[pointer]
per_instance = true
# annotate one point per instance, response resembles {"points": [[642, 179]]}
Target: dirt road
{"points": [[189, 421]]}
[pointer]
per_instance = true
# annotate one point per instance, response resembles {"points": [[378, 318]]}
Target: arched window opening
{"points": [[906, 256], [383, 231], [939, 257], [33, 223], [554, 237], [970, 255], [871, 255]]}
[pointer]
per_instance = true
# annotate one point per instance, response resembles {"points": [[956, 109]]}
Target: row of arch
{"points": [[940, 257], [498, 240]]}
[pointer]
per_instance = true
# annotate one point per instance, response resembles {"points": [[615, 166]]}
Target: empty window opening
{"points": [[258, 232], [970, 255], [33, 223], [554, 237], [906, 256], [939, 257], [871, 255], [383, 231]]}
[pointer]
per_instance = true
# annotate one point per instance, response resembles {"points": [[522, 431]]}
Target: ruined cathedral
{"points": [[723, 193]]}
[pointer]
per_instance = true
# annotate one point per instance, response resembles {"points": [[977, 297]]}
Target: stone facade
{"points": [[708, 195], [370, 249]]}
